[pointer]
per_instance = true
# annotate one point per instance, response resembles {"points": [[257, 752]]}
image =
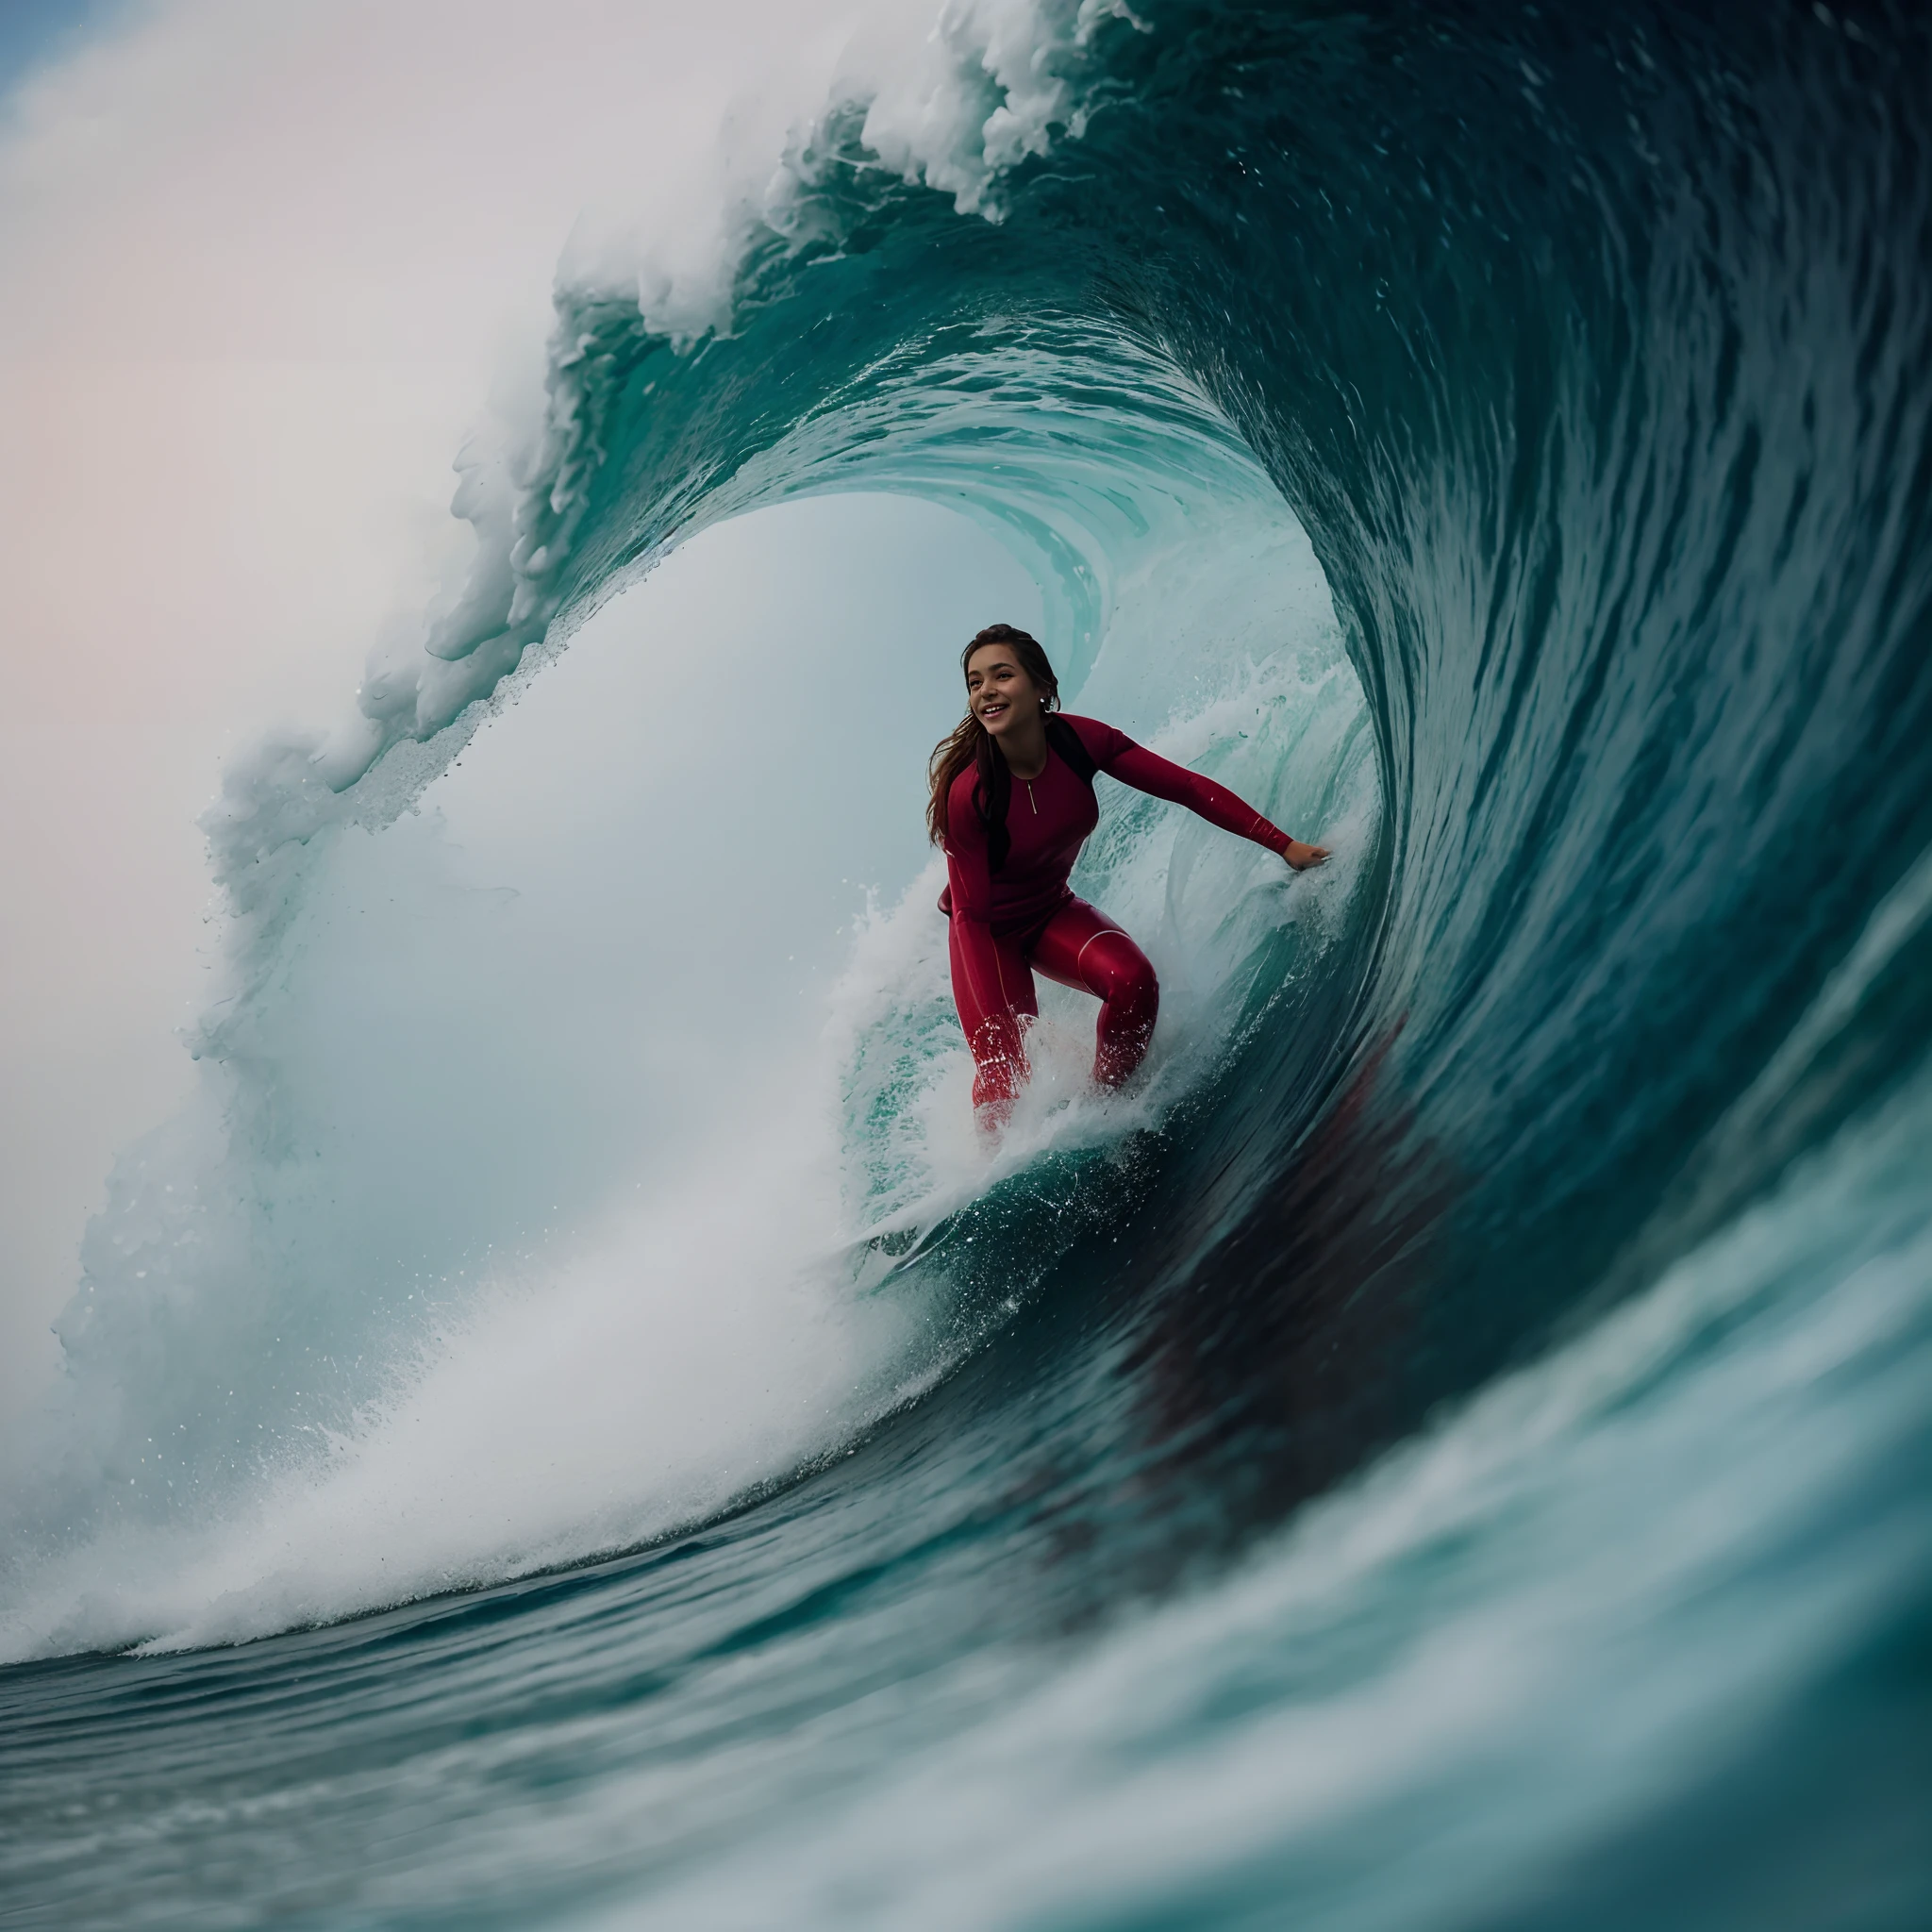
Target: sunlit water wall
{"points": [[1499, 1324]]}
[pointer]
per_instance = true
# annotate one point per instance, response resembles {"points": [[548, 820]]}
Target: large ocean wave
{"points": [[1450, 1443]]}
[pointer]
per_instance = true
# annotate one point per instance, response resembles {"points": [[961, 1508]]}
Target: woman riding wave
{"points": [[1012, 803]]}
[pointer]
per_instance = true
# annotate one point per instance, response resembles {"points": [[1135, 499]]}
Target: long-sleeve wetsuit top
{"points": [[1048, 820]]}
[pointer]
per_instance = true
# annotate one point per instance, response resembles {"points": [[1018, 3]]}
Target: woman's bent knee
{"points": [[1120, 972]]}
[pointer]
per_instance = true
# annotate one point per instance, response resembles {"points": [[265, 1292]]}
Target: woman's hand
{"points": [[1303, 857]]}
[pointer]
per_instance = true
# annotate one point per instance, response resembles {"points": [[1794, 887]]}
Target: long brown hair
{"points": [[970, 743]]}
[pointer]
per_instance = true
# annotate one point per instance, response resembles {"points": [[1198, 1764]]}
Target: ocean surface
{"points": [[1451, 1450]]}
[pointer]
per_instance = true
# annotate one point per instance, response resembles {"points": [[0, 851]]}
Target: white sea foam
{"points": [[675, 1353], [286, 1419]]}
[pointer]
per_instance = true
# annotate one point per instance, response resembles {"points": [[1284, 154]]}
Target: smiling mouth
{"points": [[998, 710]]}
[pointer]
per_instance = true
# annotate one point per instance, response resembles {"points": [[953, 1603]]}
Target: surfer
{"points": [[1011, 805]]}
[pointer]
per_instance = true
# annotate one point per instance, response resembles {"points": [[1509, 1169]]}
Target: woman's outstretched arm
{"points": [[1118, 757]]}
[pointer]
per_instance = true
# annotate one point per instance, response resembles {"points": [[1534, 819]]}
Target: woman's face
{"points": [[998, 693]]}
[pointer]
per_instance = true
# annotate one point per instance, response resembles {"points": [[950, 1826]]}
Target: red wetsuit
{"points": [[1008, 924]]}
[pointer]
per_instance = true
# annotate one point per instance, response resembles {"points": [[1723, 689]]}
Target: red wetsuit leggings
{"points": [[1077, 945]]}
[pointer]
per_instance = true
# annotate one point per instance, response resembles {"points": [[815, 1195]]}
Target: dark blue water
{"points": [[1456, 1455]]}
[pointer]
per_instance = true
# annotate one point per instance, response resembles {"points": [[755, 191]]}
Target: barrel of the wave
{"points": [[1011, 804]]}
